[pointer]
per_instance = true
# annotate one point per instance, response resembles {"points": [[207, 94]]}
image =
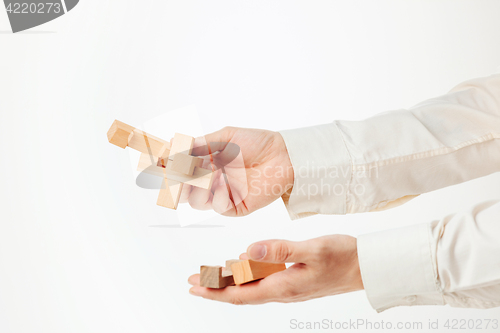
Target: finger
{"points": [[221, 202], [258, 292], [244, 256], [200, 198], [230, 156], [194, 280], [212, 142], [185, 192], [279, 251]]}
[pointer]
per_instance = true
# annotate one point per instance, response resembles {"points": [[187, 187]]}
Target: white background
{"points": [[83, 249]]}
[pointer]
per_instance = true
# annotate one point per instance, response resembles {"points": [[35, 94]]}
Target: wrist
{"points": [[356, 280], [286, 163]]}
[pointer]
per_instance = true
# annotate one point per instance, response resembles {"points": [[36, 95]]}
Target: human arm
{"points": [[455, 261], [360, 166]]}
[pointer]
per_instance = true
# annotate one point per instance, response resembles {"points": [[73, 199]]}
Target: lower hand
{"points": [[322, 266]]}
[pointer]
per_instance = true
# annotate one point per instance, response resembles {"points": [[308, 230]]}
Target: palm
{"points": [[255, 165]]}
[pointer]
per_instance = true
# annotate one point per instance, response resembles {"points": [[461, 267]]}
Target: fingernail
{"points": [[192, 292], [257, 251]]}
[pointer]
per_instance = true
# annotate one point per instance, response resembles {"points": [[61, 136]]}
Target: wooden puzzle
{"points": [[173, 162], [237, 272]]}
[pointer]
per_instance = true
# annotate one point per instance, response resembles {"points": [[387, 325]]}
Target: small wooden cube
{"points": [[213, 277], [119, 133], [182, 144], [185, 163], [229, 263], [249, 270]]}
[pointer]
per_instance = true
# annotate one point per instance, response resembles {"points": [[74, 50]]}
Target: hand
{"points": [[323, 266], [260, 174]]}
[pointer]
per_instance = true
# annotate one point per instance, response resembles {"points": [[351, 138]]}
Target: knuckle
{"points": [[228, 128], [321, 248], [195, 203], [281, 252], [219, 207]]}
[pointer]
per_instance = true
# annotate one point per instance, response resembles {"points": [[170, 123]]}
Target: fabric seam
{"points": [[352, 166], [436, 152]]}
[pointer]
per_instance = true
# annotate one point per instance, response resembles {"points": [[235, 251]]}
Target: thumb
{"points": [[278, 251], [213, 142]]}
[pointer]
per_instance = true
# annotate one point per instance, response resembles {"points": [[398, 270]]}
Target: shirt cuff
{"points": [[322, 167], [398, 267]]}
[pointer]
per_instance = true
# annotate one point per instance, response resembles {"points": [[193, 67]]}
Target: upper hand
{"points": [[261, 173]]}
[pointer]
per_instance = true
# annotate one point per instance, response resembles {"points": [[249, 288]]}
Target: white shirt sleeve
{"points": [[386, 160], [453, 261], [360, 166]]}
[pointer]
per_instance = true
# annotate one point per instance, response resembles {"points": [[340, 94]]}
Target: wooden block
{"points": [[202, 178], [249, 270], [211, 277], [185, 163], [169, 196], [185, 169], [119, 133], [228, 266], [170, 193], [182, 144], [163, 156], [148, 164], [147, 143]]}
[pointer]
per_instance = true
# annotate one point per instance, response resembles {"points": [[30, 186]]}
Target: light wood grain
{"points": [[170, 193], [148, 164], [249, 270], [185, 163], [227, 269], [158, 157], [119, 133], [181, 144], [202, 178], [211, 277], [147, 143]]}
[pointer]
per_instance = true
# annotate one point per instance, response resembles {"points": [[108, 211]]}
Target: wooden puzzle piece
{"points": [[169, 195], [182, 144], [148, 144], [171, 162], [148, 164], [202, 178], [123, 135], [250, 270], [180, 158], [185, 163], [228, 265], [237, 272], [213, 277], [119, 133]]}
